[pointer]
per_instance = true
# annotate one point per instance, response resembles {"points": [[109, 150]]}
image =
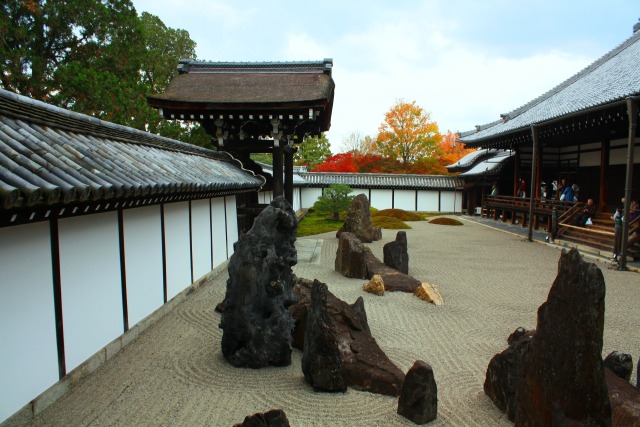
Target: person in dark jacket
{"points": [[588, 212]]}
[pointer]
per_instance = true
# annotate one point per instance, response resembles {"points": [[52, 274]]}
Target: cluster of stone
{"points": [[555, 374], [355, 260], [256, 323], [358, 221], [365, 365]]}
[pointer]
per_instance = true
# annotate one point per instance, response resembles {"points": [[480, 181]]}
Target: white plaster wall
{"points": [[232, 223], [200, 237], [296, 199], [619, 149], [310, 196], [91, 284], [381, 199], [177, 247], [218, 231], [143, 261], [404, 199], [265, 197], [590, 159], [428, 201], [28, 353], [450, 201]]}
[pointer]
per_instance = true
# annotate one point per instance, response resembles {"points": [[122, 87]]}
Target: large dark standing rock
{"points": [[350, 256], [321, 362], [255, 321], [365, 365], [620, 363], [355, 260], [272, 418], [395, 253], [625, 401], [358, 219], [505, 370], [563, 379], [418, 400]]}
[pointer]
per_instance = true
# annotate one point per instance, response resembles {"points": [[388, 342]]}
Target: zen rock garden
{"points": [[553, 375]]}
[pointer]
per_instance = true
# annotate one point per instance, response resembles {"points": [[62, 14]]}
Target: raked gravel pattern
{"points": [[492, 282]]}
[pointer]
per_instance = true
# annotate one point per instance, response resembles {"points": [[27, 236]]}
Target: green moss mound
{"points": [[400, 214], [316, 223], [389, 223], [445, 221]]}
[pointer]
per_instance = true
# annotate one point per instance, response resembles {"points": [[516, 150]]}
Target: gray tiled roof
{"points": [[610, 79], [54, 157], [489, 165], [468, 160], [375, 180]]}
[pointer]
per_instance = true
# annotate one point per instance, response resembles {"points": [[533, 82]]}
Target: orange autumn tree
{"points": [[451, 150], [407, 134]]}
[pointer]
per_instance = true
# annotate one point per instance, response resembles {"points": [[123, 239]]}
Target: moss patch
{"points": [[445, 221], [400, 214], [389, 223], [317, 223]]}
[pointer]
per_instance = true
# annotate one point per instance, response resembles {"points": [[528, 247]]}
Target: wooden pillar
{"points": [[538, 192], [632, 111], [277, 172], [516, 174], [605, 152], [534, 180], [288, 173]]}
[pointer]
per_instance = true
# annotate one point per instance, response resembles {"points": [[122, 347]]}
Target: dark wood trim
{"points": [[123, 270], [190, 241], [211, 233], [164, 255], [604, 171], [226, 225], [57, 295]]}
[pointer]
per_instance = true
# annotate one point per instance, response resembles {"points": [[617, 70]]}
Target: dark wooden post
{"points": [[604, 173], [288, 173], [277, 172], [534, 181], [632, 111]]}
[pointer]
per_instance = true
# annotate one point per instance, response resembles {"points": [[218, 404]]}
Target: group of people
{"points": [[618, 217]]}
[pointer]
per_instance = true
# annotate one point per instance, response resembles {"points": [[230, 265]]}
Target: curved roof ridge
{"points": [[17, 106], [589, 69]]}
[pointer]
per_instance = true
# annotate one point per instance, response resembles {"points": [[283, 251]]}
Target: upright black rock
{"points": [[418, 399], [563, 376], [321, 362], [256, 323], [505, 370], [395, 253], [620, 364]]}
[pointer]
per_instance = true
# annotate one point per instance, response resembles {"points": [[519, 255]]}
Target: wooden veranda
{"points": [[585, 130]]}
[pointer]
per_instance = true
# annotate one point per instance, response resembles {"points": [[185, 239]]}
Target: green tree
{"points": [[96, 57], [334, 199], [78, 54], [407, 134], [313, 150]]}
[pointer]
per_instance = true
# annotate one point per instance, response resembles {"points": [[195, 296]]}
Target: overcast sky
{"points": [[463, 61]]}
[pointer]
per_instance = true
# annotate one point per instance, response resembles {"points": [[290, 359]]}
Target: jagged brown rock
{"points": [[358, 220], [365, 365], [625, 401], [505, 370], [563, 378], [321, 363]]}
